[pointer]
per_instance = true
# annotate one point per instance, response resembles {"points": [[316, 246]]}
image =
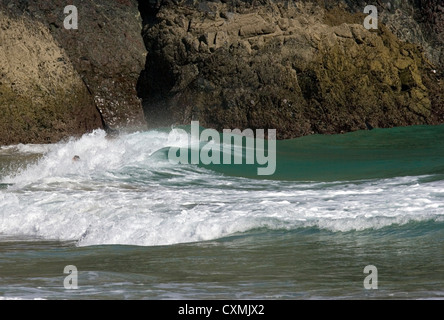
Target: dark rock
{"points": [[300, 67], [42, 98], [107, 50]]}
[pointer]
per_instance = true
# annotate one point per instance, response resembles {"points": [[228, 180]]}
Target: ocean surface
{"points": [[136, 226]]}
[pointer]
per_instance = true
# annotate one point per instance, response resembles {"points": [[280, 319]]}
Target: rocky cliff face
{"points": [[298, 66], [42, 98], [107, 50], [106, 54]]}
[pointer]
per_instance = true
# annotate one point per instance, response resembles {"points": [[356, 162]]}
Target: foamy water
{"points": [[121, 192]]}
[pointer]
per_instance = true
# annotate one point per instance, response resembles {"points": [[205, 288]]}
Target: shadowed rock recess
{"points": [[300, 67]]}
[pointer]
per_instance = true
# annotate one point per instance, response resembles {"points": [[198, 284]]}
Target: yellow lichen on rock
{"points": [[42, 98]]}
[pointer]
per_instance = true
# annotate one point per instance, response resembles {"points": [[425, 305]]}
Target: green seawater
{"points": [[138, 227], [380, 153]]}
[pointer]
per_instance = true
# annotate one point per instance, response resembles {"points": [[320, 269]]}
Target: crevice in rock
{"points": [[105, 126], [148, 10], [240, 79]]}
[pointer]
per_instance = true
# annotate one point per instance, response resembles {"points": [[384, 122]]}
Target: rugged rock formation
{"points": [[106, 53], [421, 22], [298, 66], [42, 98], [107, 50]]}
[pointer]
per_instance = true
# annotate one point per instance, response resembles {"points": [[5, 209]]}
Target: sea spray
{"points": [[123, 191]]}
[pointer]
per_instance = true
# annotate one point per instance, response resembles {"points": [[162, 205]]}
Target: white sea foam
{"points": [[26, 148], [120, 194]]}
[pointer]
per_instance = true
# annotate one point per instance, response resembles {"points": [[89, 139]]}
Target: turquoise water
{"points": [[139, 227]]}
